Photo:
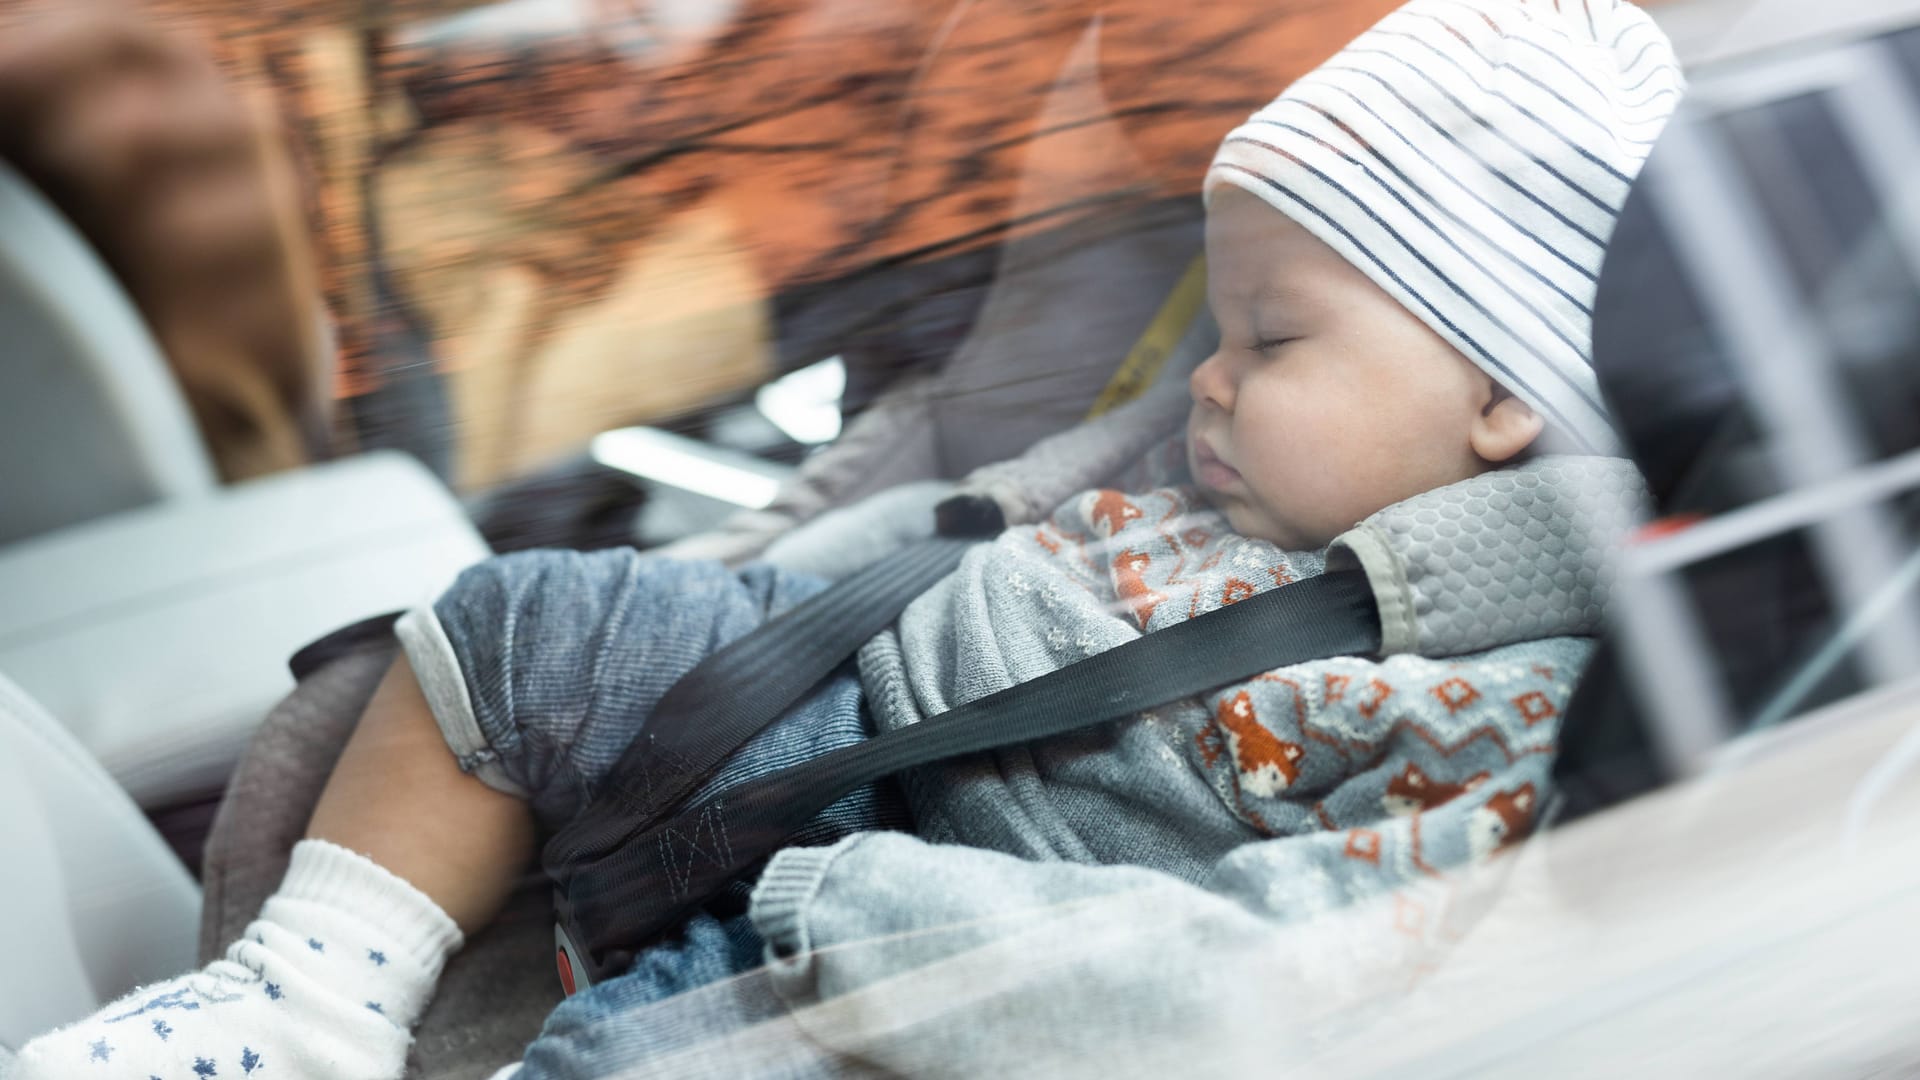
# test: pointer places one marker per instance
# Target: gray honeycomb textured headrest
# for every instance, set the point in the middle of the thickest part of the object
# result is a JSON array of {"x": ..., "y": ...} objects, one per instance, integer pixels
[{"x": 1508, "y": 556}]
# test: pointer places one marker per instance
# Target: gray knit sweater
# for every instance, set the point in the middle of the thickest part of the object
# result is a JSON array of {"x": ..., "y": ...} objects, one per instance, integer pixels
[{"x": 1121, "y": 895}]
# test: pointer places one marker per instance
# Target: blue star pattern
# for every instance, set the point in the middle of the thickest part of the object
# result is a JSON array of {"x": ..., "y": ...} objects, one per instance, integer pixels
[
  {"x": 217, "y": 1002},
  {"x": 173, "y": 999}
]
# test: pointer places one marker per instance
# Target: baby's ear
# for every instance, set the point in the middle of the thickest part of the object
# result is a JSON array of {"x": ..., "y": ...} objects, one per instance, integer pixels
[{"x": 1505, "y": 427}]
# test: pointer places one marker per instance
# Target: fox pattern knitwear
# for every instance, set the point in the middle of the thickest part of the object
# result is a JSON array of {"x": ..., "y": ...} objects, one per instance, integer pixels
[{"x": 1401, "y": 765}]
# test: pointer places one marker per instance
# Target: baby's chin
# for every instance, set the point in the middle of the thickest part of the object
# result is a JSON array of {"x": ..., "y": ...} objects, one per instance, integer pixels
[
  {"x": 1243, "y": 518},
  {"x": 1253, "y": 522},
  {"x": 1262, "y": 523}
]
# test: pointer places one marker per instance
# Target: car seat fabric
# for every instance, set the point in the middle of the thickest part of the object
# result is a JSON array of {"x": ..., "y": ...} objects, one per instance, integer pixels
[
  {"x": 847, "y": 538},
  {"x": 838, "y": 541},
  {"x": 1451, "y": 577},
  {"x": 1090, "y": 455}
]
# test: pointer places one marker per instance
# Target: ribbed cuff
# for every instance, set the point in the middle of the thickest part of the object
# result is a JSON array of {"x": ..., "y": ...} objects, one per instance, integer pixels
[
  {"x": 786, "y": 888},
  {"x": 436, "y": 667},
  {"x": 1387, "y": 574},
  {"x": 332, "y": 877}
]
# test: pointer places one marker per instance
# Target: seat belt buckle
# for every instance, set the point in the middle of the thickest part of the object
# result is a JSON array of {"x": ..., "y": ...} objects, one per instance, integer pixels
[{"x": 577, "y": 965}]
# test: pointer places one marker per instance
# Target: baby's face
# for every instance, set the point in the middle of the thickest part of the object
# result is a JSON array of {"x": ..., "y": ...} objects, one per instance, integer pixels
[{"x": 1326, "y": 400}]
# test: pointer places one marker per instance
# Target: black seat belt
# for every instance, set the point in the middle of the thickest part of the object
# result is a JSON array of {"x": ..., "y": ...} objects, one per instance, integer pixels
[
  {"x": 739, "y": 689},
  {"x": 613, "y": 897}
]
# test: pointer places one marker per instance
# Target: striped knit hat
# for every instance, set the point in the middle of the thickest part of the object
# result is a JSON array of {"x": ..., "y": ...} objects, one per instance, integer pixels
[{"x": 1470, "y": 156}]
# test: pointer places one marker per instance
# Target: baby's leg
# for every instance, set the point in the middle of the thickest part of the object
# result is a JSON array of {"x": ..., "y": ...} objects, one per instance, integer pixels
[
  {"x": 571, "y": 651},
  {"x": 542, "y": 667},
  {"x": 398, "y": 797}
]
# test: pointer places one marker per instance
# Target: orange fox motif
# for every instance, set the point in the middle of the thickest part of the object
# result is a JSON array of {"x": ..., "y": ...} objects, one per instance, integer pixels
[
  {"x": 1376, "y": 695},
  {"x": 1534, "y": 707},
  {"x": 1413, "y": 791},
  {"x": 1129, "y": 575},
  {"x": 1504, "y": 820},
  {"x": 1235, "y": 591},
  {"x": 1267, "y": 764},
  {"x": 1112, "y": 511}
]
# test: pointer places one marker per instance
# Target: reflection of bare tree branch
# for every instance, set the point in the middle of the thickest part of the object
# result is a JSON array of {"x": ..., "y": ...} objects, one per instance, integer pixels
[
  {"x": 706, "y": 139},
  {"x": 1134, "y": 112},
  {"x": 974, "y": 237},
  {"x": 854, "y": 138}
]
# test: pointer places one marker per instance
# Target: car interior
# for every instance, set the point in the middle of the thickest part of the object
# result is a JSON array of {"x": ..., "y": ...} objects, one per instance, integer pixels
[{"x": 1757, "y": 328}]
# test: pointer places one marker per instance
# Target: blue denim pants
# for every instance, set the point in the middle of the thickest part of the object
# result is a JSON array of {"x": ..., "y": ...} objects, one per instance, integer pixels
[{"x": 564, "y": 655}]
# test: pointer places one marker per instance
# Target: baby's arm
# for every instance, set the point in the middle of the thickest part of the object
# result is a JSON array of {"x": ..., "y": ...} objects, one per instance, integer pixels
[{"x": 342, "y": 960}]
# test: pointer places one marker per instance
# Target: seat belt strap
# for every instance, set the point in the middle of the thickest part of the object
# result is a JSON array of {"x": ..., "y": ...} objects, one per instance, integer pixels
[
  {"x": 615, "y": 902},
  {"x": 739, "y": 689}
]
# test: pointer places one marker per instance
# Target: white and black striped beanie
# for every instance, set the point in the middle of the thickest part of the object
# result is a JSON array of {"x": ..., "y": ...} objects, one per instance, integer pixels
[{"x": 1470, "y": 156}]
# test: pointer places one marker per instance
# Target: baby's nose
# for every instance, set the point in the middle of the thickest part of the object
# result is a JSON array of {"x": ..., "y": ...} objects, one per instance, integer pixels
[{"x": 1212, "y": 383}]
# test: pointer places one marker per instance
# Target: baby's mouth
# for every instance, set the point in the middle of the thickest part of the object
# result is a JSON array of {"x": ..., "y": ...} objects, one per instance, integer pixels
[{"x": 1209, "y": 470}]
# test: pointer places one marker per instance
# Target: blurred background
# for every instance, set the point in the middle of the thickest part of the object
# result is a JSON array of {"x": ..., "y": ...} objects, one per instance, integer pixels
[
  {"x": 540, "y": 219},
  {"x": 537, "y": 220}
]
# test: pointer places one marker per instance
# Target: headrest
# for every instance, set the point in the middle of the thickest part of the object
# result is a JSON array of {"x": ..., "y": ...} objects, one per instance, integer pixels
[{"x": 1507, "y": 556}]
